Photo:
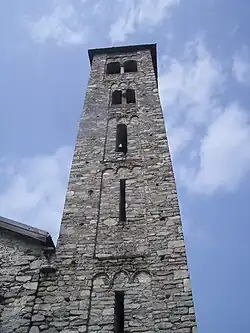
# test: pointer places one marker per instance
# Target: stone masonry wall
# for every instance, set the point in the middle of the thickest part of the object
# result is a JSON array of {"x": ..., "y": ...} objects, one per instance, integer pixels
[
  {"x": 114, "y": 238},
  {"x": 93, "y": 249},
  {"x": 20, "y": 264},
  {"x": 95, "y": 255}
]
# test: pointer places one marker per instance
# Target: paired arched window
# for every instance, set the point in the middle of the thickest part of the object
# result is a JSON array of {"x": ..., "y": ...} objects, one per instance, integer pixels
[
  {"x": 130, "y": 66},
  {"x": 130, "y": 96},
  {"x": 117, "y": 97},
  {"x": 113, "y": 68}
]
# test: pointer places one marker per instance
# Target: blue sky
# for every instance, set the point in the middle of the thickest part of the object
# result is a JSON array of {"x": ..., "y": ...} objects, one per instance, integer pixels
[{"x": 204, "y": 79}]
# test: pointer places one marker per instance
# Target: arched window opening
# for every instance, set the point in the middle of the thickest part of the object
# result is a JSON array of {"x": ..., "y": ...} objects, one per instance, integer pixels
[
  {"x": 119, "y": 312},
  {"x": 130, "y": 66},
  {"x": 121, "y": 138},
  {"x": 122, "y": 207},
  {"x": 130, "y": 96},
  {"x": 117, "y": 97},
  {"x": 113, "y": 68}
]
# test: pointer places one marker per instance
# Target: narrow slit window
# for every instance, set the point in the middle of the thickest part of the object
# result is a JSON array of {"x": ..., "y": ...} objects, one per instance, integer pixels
[
  {"x": 122, "y": 215},
  {"x": 113, "y": 68},
  {"x": 121, "y": 138},
  {"x": 117, "y": 97},
  {"x": 130, "y": 96},
  {"x": 119, "y": 312},
  {"x": 130, "y": 66}
]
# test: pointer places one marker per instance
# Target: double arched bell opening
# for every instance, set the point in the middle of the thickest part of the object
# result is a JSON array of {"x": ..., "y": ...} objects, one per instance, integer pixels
[
  {"x": 113, "y": 68},
  {"x": 129, "y": 66},
  {"x": 119, "y": 97}
]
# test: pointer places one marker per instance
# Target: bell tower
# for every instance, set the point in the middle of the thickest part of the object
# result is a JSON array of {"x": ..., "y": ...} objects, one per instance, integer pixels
[{"x": 120, "y": 254}]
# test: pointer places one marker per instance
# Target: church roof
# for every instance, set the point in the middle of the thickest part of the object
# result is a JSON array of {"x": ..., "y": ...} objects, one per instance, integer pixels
[
  {"x": 126, "y": 49},
  {"x": 23, "y": 230}
]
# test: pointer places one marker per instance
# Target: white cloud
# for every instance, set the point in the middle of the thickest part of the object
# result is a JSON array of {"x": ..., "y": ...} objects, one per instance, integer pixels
[
  {"x": 241, "y": 66},
  {"x": 210, "y": 141},
  {"x": 188, "y": 89},
  {"x": 125, "y": 24},
  {"x": 72, "y": 23},
  {"x": 179, "y": 138},
  {"x": 138, "y": 14},
  {"x": 34, "y": 189},
  {"x": 192, "y": 81},
  {"x": 64, "y": 26},
  {"x": 224, "y": 153},
  {"x": 152, "y": 13}
]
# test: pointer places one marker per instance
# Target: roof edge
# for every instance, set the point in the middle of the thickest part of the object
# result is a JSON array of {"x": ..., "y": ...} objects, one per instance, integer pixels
[
  {"x": 42, "y": 237},
  {"x": 127, "y": 49}
]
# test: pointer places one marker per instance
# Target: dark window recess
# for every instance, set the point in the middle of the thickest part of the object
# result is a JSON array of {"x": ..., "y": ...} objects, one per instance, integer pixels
[
  {"x": 113, "y": 68},
  {"x": 119, "y": 312},
  {"x": 122, "y": 213},
  {"x": 121, "y": 138},
  {"x": 130, "y": 66},
  {"x": 130, "y": 96},
  {"x": 117, "y": 97}
]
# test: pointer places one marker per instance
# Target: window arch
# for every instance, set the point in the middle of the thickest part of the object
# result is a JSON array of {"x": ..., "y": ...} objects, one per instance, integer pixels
[
  {"x": 113, "y": 68},
  {"x": 117, "y": 97},
  {"x": 130, "y": 66},
  {"x": 121, "y": 138},
  {"x": 130, "y": 96}
]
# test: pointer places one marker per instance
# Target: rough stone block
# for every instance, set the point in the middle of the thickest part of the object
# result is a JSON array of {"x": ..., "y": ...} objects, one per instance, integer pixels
[
  {"x": 22, "y": 278},
  {"x": 31, "y": 285},
  {"x": 38, "y": 317},
  {"x": 181, "y": 274}
]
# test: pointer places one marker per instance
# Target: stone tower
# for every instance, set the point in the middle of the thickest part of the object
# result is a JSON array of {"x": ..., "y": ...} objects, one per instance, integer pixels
[
  {"x": 120, "y": 262},
  {"x": 120, "y": 254}
]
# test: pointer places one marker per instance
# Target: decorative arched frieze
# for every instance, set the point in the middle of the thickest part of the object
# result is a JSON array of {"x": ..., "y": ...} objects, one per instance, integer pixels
[
  {"x": 108, "y": 172},
  {"x": 133, "y": 119},
  {"x": 120, "y": 280},
  {"x": 122, "y": 120},
  {"x": 142, "y": 276},
  {"x": 114, "y": 86},
  {"x": 101, "y": 279}
]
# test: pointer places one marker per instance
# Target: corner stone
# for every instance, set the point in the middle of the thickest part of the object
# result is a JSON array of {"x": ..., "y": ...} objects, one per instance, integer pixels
[
  {"x": 176, "y": 243},
  {"x": 182, "y": 274},
  {"x": 187, "y": 285}
]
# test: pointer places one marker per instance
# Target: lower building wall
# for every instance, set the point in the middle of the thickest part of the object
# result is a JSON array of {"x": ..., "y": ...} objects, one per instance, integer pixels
[
  {"x": 19, "y": 277},
  {"x": 79, "y": 296}
]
